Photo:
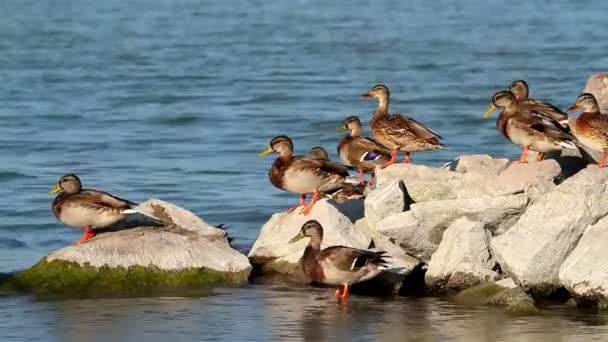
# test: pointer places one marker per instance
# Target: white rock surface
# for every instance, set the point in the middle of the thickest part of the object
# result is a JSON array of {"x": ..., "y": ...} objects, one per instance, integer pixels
[
  {"x": 533, "y": 250},
  {"x": 463, "y": 258},
  {"x": 479, "y": 164},
  {"x": 508, "y": 283},
  {"x": 194, "y": 244},
  {"x": 419, "y": 230},
  {"x": 383, "y": 202},
  {"x": 423, "y": 183},
  {"x": 585, "y": 271}
]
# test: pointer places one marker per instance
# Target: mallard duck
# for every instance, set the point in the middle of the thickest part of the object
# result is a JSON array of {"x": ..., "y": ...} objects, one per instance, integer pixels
[
  {"x": 397, "y": 131},
  {"x": 302, "y": 174},
  {"x": 591, "y": 127},
  {"x": 520, "y": 89},
  {"x": 360, "y": 152},
  {"x": 336, "y": 265},
  {"x": 528, "y": 128},
  {"x": 86, "y": 208},
  {"x": 318, "y": 152}
]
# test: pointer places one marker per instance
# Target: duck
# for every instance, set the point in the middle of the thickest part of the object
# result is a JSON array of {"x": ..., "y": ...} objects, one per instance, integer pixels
[
  {"x": 520, "y": 89},
  {"x": 87, "y": 209},
  {"x": 360, "y": 152},
  {"x": 528, "y": 128},
  {"x": 591, "y": 127},
  {"x": 318, "y": 152},
  {"x": 302, "y": 174},
  {"x": 399, "y": 132},
  {"x": 336, "y": 265}
]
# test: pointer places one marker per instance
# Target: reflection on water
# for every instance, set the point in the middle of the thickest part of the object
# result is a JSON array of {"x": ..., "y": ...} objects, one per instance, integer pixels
[{"x": 277, "y": 313}]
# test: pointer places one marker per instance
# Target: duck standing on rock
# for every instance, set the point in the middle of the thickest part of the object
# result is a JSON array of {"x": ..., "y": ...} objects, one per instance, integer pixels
[
  {"x": 397, "y": 131},
  {"x": 591, "y": 127},
  {"x": 520, "y": 89},
  {"x": 303, "y": 174},
  {"x": 86, "y": 208},
  {"x": 360, "y": 152},
  {"x": 336, "y": 265},
  {"x": 528, "y": 128}
]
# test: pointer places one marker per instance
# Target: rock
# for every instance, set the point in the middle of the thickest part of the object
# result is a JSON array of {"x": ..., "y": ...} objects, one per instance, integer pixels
[
  {"x": 479, "y": 164},
  {"x": 422, "y": 183},
  {"x": 597, "y": 85},
  {"x": 515, "y": 300},
  {"x": 533, "y": 250},
  {"x": 419, "y": 230},
  {"x": 138, "y": 259},
  {"x": 463, "y": 258},
  {"x": 507, "y": 283},
  {"x": 585, "y": 272},
  {"x": 385, "y": 201}
]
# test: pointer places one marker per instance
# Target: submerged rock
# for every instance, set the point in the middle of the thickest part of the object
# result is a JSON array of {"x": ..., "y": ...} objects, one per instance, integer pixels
[
  {"x": 463, "y": 258},
  {"x": 585, "y": 272},
  {"x": 167, "y": 254},
  {"x": 533, "y": 250},
  {"x": 515, "y": 300}
]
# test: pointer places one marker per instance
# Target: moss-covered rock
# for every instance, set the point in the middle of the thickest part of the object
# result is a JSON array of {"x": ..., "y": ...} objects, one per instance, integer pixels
[
  {"x": 515, "y": 300},
  {"x": 63, "y": 278}
]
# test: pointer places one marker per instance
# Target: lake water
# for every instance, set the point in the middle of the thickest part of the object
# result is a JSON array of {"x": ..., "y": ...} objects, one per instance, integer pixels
[{"x": 172, "y": 99}]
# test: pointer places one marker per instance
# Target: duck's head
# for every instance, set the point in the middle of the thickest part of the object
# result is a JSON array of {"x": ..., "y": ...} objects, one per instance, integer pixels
[
  {"x": 586, "y": 102},
  {"x": 520, "y": 89},
  {"x": 351, "y": 123},
  {"x": 318, "y": 152},
  {"x": 379, "y": 91},
  {"x": 503, "y": 99},
  {"x": 280, "y": 144},
  {"x": 69, "y": 183},
  {"x": 311, "y": 229}
]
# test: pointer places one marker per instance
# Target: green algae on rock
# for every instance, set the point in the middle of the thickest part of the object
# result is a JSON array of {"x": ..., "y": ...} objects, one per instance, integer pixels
[{"x": 515, "y": 300}]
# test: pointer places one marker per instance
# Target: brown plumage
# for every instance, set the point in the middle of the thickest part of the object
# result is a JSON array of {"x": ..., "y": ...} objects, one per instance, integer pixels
[
  {"x": 318, "y": 152},
  {"x": 362, "y": 153},
  {"x": 528, "y": 128},
  {"x": 520, "y": 89},
  {"x": 399, "y": 132},
  {"x": 86, "y": 208},
  {"x": 336, "y": 265},
  {"x": 302, "y": 174},
  {"x": 591, "y": 127}
]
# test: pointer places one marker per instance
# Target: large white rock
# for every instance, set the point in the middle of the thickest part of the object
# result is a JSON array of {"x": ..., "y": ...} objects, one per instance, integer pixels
[
  {"x": 422, "y": 183},
  {"x": 585, "y": 271},
  {"x": 419, "y": 230},
  {"x": 191, "y": 244},
  {"x": 533, "y": 250},
  {"x": 385, "y": 201},
  {"x": 463, "y": 258},
  {"x": 479, "y": 164}
]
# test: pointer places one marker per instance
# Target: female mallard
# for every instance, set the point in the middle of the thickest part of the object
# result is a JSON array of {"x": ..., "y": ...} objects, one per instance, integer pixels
[
  {"x": 397, "y": 131},
  {"x": 303, "y": 174},
  {"x": 336, "y": 265},
  {"x": 85, "y": 208},
  {"x": 528, "y": 128},
  {"x": 591, "y": 127},
  {"x": 318, "y": 152},
  {"x": 360, "y": 152},
  {"x": 520, "y": 89}
]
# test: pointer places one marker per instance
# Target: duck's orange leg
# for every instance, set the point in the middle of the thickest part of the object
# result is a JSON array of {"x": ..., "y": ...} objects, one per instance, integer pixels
[
  {"x": 306, "y": 209},
  {"x": 338, "y": 293},
  {"x": 524, "y": 155},
  {"x": 302, "y": 200},
  {"x": 88, "y": 233},
  {"x": 407, "y": 158},
  {"x": 539, "y": 156},
  {"x": 372, "y": 179},
  {"x": 393, "y": 159},
  {"x": 602, "y": 160},
  {"x": 345, "y": 292},
  {"x": 361, "y": 177}
]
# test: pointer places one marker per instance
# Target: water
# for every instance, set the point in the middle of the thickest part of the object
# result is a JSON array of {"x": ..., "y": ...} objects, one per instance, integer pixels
[{"x": 172, "y": 99}]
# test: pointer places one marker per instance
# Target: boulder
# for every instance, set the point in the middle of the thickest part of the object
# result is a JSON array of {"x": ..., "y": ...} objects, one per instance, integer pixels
[
  {"x": 479, "y": 164},
  {"x": 463, "y": 258},
  {"x": 597, "y": 85},
  {"x": 585, "y": 272},
  {"x": 535, "y": 247},
  {"x": 513, "y": 298},
  {"x": 385, "y": 201},
  {"x": 138, "y": 259},
  {"x": 419, "y": 230},
  {"x": 422, "y": 183}
]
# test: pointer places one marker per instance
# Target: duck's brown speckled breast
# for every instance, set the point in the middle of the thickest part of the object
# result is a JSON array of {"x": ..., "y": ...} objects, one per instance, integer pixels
[
  {"x": 310, "y": 264},
  {"x": 276, "y": 173},
  {"x": 57, "y": 204}
]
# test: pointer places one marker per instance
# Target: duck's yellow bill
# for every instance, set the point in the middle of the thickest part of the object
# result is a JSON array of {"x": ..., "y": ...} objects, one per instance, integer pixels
[
  {"x": 266, "y": 152},
  {"x": 57, "y": 188},
  {"x": 298, "y": 237},
  {"x": 342, "y": 128},
  {"x": 491, "y": 109}
]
